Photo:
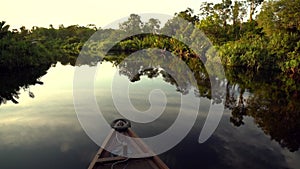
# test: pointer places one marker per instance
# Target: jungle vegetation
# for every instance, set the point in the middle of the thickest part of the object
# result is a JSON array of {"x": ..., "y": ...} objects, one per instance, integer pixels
[{"x": 252, "y": 34}]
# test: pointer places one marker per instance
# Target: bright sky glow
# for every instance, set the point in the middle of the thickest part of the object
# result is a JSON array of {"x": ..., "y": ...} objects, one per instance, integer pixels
[{"x": 42, "y": 13}]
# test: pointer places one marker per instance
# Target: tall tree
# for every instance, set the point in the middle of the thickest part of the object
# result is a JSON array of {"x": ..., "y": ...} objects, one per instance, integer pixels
[
  {"x": 206, "y": 9},
  {"x": 253, "y": 4},
  {"x": 280, "y": 20},
  {"x": 132, "y": 25},
  {"x": 152, "y": 26},
  {"x": 280, "y": 16},
  {"x": 223, "y": 10},
  {"x": 3, "y": 29},
  {"x": 238, "y": 12},
  {"x": 188, "y": 15}
]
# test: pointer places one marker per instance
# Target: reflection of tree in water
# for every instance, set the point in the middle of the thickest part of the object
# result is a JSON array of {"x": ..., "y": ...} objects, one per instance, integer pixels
[
  {"x": 149, "y": 72},
  {"x": 278, "y": 115},
  {"x": 12, "y": 81},
  {"x": 161, "y": 63},
  {"x": 273, "y": 102},
  {"x": 236, "y": 104}
]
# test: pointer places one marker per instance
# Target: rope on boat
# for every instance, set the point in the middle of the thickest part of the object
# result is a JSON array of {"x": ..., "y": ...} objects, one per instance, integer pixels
[
  {"x": 121, "y": 125},
  {"x": 119, "y": 162},
  {"x": 117, "y": 138}
]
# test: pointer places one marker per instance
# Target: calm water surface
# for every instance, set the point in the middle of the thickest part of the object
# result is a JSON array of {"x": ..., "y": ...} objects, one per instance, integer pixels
[{"x": 259, "y": 128}]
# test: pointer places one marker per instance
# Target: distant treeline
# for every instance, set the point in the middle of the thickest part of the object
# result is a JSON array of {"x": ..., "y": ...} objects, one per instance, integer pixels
[
  {"x": 244, "y": 37},
  {"x": 40, "y": 46}
]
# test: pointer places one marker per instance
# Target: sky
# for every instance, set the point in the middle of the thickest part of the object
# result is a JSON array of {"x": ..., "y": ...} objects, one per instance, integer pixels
[{"x": 42, "y": 13}]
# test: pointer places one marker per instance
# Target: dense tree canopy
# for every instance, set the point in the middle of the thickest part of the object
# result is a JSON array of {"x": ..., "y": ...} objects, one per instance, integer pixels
[{"x": 250, "y": 34}]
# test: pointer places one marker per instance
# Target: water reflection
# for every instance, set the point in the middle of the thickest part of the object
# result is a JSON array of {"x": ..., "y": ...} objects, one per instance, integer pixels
[
  {"x": 12, "y": 81},
  {"x": 230, "y": 147},
  {"x": 273, "y": 101},
  {"x": 42, "y": 132},
  {"x": 262, "y": 107},
  {"x": 39, "y": 140},
  {"x": 152, "y": 63}
]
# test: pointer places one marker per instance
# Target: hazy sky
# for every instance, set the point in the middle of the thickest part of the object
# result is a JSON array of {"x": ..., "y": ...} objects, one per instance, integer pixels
[{"x": 69, "y": 12}]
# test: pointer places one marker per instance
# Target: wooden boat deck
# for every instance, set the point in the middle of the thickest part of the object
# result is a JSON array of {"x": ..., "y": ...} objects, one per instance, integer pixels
[{"x": 141, "y": 156}]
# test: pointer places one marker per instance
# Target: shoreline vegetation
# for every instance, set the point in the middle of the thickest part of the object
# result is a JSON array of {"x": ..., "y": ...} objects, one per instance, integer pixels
[{"x": 270, "y": 41}]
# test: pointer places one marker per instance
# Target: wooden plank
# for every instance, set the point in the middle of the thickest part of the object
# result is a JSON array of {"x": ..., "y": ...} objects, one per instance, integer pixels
[
  {"x": 119, "y": 158},
  {"x": 135, "y": 145},
  {"x": 152, "y": 164},
  {"x": 110, "y": 159},
  {"x": 145, "y": 148},
  {"x": 160, "y": 163},
  {"x": 138, "y": 141},
  {"x": 107, "y": 139},
  {"x": 143, "y": 155}
]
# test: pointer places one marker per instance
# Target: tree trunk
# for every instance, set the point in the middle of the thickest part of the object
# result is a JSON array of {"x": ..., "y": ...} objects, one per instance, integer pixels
[{"x": 252, "y": 9}]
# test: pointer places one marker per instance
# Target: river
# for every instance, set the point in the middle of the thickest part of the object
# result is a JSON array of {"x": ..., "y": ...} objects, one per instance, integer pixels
[{"x": 260, "y": 126}]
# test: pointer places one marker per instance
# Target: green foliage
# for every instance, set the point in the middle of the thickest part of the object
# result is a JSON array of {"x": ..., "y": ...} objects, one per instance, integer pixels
[
  {"x": 280, "y": 16},
  {"x": 188, "y": 15},
  {"x": 3, "y": 29},
  {"x": 253, "y": 4},
  {"x": 269, "y": 42},
  {"x": 248, "y": 52},
  {"x": 132, "y": 25},
  {"x": 280, "y": 21},
  {"x": 40, "y": 46},
  {"x": 152, "y": 26}
]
